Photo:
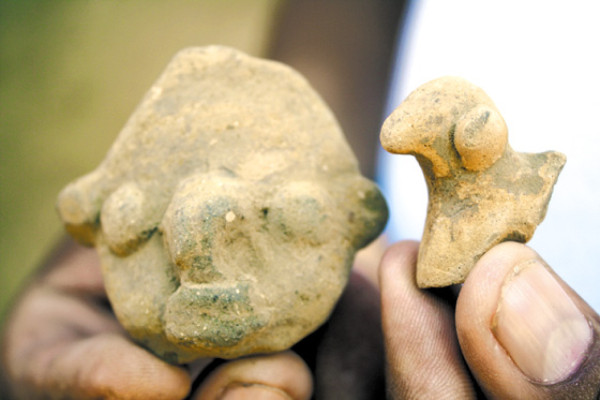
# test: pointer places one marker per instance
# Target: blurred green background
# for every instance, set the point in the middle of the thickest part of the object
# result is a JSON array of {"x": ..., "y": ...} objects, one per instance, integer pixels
[{"x": 71, "y": 72}]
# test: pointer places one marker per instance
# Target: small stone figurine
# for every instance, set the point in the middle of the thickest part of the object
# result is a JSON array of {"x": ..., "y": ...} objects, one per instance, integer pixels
[
  {"x": 228, "y": 211},
  {"x": 481, "y": 192}
]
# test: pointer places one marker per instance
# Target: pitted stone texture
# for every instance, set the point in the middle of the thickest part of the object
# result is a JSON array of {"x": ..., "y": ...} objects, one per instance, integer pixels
[
  {"x": 481, "y": 192},
  {"x": 228, "y": 211}
]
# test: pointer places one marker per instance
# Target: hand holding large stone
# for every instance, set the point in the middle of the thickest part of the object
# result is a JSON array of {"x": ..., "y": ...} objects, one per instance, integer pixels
[{"x": 228, "y": 211}]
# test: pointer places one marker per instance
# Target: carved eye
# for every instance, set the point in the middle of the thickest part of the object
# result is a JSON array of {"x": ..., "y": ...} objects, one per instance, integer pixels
[
  {"x": 124, "y": 219},
  {"x": 480, "y": 137},
  {"x": 301, "y": 211}
]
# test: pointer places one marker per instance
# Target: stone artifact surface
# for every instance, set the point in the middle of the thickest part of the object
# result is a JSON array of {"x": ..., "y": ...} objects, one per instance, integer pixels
[
  {"x": 228, "y": 211},
  {"x": 481, "y": 192}
]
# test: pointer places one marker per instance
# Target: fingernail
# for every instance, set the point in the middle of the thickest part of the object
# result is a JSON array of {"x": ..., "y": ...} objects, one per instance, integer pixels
[
  {"x": 252, "y": 392},
  {"x": 539, "y": 326}
]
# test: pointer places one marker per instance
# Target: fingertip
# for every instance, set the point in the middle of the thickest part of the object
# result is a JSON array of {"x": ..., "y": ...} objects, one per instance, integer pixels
[
  {"x": 148, "y": 376},
  {"x": 109, "y": 366},
  {"x": 398, "y": 262},
  {"x": 494, "y": 264},
  {"x": 281, "y": 375}
]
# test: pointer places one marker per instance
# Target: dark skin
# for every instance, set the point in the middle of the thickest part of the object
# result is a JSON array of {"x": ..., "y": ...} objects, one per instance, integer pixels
[{"x": 62, "y": 341}]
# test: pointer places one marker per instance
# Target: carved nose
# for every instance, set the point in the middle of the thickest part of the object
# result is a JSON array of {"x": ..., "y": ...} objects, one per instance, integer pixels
[
  {"x": 204, "y": 212},
  {"x": 192, "y": 232}
]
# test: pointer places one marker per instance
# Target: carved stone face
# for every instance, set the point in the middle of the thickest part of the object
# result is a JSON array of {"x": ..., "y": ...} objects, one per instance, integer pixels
[{"x": 228, "y": 211}]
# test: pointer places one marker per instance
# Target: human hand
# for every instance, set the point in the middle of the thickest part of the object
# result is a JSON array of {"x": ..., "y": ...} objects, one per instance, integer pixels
[
  {"x": 515, "y": 331},
  {"x": 63, "y": 341}
]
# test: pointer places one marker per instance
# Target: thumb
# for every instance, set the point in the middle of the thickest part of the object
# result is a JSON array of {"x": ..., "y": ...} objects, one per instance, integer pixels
[{"x": 524, "y": 332}]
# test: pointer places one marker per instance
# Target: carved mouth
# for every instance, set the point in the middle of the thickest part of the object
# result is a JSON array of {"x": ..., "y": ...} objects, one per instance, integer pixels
[{"x": 207, "y": 316}]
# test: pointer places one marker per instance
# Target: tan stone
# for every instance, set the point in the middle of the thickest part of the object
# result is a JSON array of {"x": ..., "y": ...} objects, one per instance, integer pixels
[
  {"x": 228, "y": 211},
  {"x": 481, "y": 192}
]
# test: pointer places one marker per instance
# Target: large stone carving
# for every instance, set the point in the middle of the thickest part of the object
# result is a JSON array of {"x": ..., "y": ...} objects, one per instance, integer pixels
[
  {"x": 481, "y": 192},
  {"x": 228, "y": 211}
]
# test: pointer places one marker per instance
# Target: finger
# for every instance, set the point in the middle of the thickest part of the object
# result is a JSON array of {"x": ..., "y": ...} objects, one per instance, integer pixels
[
  {"x": 109, "y": 366},
  {"x": 58, "y": 345},
  {"x": 524, "y": 332},
  {"x": 367, "y": 259},
  {"x": 279, "y": 376},
  {"x": 350, "y": 357},
  {"x": 74, "y": 269},
  {"x": 422, "y": 352}
]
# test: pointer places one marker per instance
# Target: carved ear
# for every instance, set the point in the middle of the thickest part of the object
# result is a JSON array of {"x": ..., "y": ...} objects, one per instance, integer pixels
[
  {"x": 302, "y": 209},
  {"x": 365, "y": 210},
  {"x": 79, "y": 206},
  {"x": 480, "y": 137}
]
